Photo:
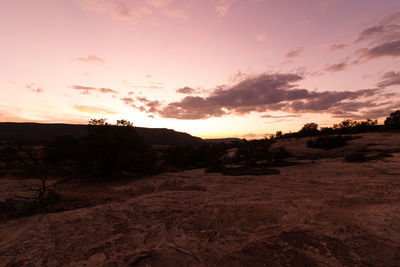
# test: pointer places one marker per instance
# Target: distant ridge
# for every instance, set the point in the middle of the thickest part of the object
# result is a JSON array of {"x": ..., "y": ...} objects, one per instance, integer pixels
[
  {"x": 222, "y": 140},
  {"x": 42, "y": 132}
]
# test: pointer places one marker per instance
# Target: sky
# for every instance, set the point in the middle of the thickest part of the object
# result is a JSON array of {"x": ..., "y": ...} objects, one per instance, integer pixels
[{"x": 211, "y": 68}]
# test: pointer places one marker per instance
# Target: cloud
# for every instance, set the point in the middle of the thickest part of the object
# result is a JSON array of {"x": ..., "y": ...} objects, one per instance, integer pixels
[
  {"x": 186, "y": 90},
  {"x": 378, "y": 111},
  {"x": 118, "y": 9},
  {"x": 265, "y": 92},
  {"x": 389, "y": 78},
  {"x": 127, "y": 100},
  {"x": 389, "y": 49},
  {"x": 386, "y": 30},
  {"x": 370, "y": 33},
  {"x": 337, "y": 67},
  {"x": 280, "y": 116},
  {"x": 94, "y": 110},
  {"x": 90, "y": 59},
  {"x": 133, "y": 11},
  {"x": 176, "y": 13},
  {"x": 159, "y": 3},
  {"x": 152, "y": 85},
  {"x": 222, "y": 7},
  {"x": 335, "y": 46},
  {"x": 295, "y": 52},
  {"x": 383, "y": 38},
  {"x": 34, "y": 88},
  {"x": 261, "y": 37},
  {"x": 86, "y": 90},
  {"x": 148, "y": 106}
]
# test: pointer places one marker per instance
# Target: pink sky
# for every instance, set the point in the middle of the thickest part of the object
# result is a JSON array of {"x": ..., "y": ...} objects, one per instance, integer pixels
[{"x": 212, "y": 68}]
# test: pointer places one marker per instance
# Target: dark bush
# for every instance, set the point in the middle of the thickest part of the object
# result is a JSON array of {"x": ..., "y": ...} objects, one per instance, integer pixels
[
  {"x": 329, "y": 142},
  {"x": 194, "y": 156},
  {"x": 255, "y": 150}
]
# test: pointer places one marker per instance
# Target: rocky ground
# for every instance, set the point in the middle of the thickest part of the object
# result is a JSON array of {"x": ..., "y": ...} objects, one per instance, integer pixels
[{"x": 321, "y": 212}]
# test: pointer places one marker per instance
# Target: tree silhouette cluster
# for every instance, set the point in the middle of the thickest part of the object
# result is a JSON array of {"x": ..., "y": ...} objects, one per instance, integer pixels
[{"x": 105, "y": 150}]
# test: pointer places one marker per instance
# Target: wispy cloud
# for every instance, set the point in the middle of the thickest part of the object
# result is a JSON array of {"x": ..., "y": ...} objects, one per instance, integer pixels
[
  {"x": 186, "y": 90},
  {"x": 151, "y": 85},
  {"x": 337, "y": 67},
  {"x": 94, "y": 110},
  {"x": 90, "y": 59},
  {"x": 295, "y": 52},
  {"x": 34, "y": 88},
  {"x": 280, "y": 116},
  {"x": 389, "y": 78},
  {"x": 335, "y": 46},
  {"x": 175, "y": 13},
  {"x": 222, "y": 7},
  {"x": 261, "y": 37},
  {"x": 159, "y": 3},
  {"x": 134, "y": 10},
  {"x": 86, "y": 89}
]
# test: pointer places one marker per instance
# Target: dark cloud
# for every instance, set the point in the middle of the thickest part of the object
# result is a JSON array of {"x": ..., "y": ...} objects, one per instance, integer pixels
[
  {"x": 389, "y": 78},
  {"x": 337, "y": 67},
  {"x": 127, "y": 100},
  {"x": 331, "y": 100},
  {"x": 149, "y": 106},
  {"x": 384, "y": 38},
  {"x": 391, "y": 49},
  {"x": 370, "y": 33},
  {"x": 266, "y": 92},
  {"x": 86, "y": 90},
  {"x": 186, "y": 90},
  {"x": 90, "y": 59},
  {"x": 375, "y": 112},
  {"x": 295, "y": 52},
  {"x": 386, "y": 30},
  {"x": 335, "y": 46}
]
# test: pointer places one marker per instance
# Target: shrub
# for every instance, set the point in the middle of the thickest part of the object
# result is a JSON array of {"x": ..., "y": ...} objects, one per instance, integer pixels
[
  {"x": 194, "y": 156},
  {"x": 328, "y": 142},
  {"x": 255, "y": 150}
]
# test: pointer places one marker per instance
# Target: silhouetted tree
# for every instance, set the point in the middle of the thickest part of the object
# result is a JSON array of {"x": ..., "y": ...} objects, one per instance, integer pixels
[
  {"x": 278, "y": 134},
  {"x": 106, "y": 149},
  {"x": 393, "y": 121},
  {"x": 309, "y": 129}
]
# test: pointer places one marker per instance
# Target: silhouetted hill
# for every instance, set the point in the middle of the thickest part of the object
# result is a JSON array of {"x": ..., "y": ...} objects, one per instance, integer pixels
[
  {"x": 222, "y": 140},
  {"x": 40, "y": 132}
]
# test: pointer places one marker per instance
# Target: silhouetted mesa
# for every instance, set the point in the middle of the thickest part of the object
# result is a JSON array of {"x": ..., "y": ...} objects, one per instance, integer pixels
[{"x": 43, "y": 132}]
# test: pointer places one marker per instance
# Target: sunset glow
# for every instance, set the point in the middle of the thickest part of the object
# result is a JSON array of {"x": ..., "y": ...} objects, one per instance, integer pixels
[{"x": 211, "y": 68}]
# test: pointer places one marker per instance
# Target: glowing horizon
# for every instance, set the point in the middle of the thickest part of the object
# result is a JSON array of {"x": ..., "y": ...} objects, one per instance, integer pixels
[{"x": 213, "y": 68}]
